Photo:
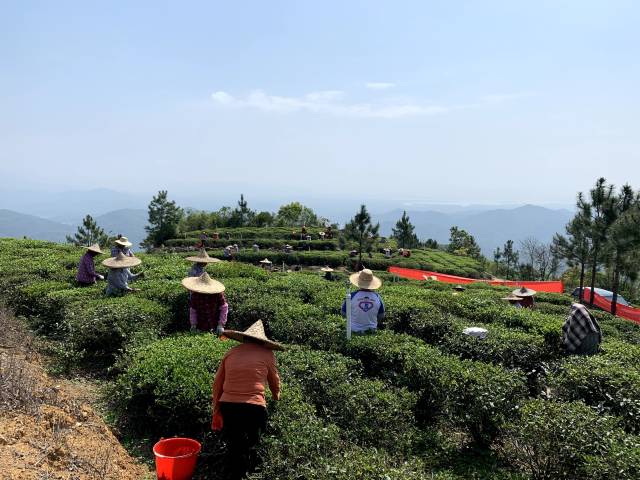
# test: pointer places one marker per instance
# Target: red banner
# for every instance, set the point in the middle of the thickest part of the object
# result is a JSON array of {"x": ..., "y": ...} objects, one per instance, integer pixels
[
  {"x": 550, "y": 287},
  {"x": 623, "y": 311}
]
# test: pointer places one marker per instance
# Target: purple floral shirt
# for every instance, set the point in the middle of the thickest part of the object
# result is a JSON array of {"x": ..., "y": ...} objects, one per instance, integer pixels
[{"x": 86, "y": 270}]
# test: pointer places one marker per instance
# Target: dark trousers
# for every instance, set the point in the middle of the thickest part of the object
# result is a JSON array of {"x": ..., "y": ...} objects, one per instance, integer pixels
[{"x": 242, "y": 425}]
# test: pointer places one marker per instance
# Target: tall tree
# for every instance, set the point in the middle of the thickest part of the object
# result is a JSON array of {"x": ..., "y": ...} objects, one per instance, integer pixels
[
  {"x": 361, "y": 230},
  {"x": 530, "y": 247},
  {"x": 576, "y": 246},
  {"x": 242, "y": 214},
  {"x": 431, "y": 243},
  {"x": 622, "y": 239},
  {"x": 462, "y": 243},
  {"x": 164, "y": 217},
  {"x": 602, "y": 200},
  {"x": 404, "y": 232},
  {"x": 510, "y": 256},
  {"x": 89, "y": 233},
  {"x": 295, "y": 214}
]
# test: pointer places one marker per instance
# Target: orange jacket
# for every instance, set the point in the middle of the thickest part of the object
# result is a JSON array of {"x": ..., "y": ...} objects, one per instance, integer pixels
[{"x": 242, "y": 376}]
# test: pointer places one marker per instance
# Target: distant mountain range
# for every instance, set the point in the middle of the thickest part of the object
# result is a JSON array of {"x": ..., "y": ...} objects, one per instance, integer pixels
[
  {"x": 129, "y": 222},
  {"x": 490, "y": 227}
]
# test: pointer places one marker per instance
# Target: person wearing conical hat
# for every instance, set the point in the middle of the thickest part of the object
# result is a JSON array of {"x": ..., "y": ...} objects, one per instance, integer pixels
[
  {"x": 200, "y": 262},
  {"x": 208, "y": 309},
  {"x": 121, "y": 244},
  {"x": 328, "y": 272},
  {"x": 87, "y": 275},
  {"x": 120, "y": 275},
  {"x": 526, "y": 296},
  {"x": 513, "y": 300},
  {"x": 367, "y": 307},
  {"x": 239, "y": 405},
  {"x": 458, "y": 289}
]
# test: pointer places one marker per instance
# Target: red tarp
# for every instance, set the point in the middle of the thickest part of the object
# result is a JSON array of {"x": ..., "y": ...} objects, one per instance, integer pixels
[
  {"x": 551, "y": 287},
  {"x": 623, "y": 311}
]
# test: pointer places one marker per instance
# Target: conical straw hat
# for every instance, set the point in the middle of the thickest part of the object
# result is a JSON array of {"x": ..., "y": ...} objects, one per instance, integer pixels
[
  {"x": 121, "y": 261},
  {"x": 266, "y": 260},
  {"x": 460, "y": 288},
  {"x": 255, "y": 331},
  {"x": 95, "y": 248},
  {"x": 365, "y": 279},
  {"x": 512, "y": 298},
  {"x": 203, "y": 257},
  {"x": 524, "y": 292},
  {"x": 326, "y": 269},
  {"x": 203, "y": 284},
  {"x": 123, "y": 242}
]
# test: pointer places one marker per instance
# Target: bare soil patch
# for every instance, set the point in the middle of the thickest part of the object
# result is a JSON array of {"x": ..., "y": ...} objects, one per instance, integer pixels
[{"x": 48, "y": 429}]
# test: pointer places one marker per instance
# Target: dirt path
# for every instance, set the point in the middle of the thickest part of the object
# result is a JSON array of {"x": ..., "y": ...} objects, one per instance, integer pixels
[{"x": 48, "y": 429}]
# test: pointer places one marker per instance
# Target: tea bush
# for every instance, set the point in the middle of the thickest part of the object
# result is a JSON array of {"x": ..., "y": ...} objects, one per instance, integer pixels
[{"x": 553, "y": 440}]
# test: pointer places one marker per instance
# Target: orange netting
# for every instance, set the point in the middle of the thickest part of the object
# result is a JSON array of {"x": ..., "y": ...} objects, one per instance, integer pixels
[
  {"x": 623, "y": 311},
  {"x": 551, "y": 287}
]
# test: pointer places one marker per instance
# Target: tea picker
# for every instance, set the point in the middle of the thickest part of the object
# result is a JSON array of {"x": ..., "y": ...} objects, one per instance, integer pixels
[{"x": 364, "y": 308}]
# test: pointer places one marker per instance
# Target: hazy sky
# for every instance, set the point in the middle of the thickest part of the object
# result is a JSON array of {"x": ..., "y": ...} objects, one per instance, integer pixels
[{"x": 448, "y": 101}]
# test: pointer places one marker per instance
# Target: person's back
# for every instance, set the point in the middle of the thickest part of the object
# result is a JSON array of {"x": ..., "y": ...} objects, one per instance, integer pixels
[
  {"x": 367, "y": 308},
  {"x": 247, "y": 368}
]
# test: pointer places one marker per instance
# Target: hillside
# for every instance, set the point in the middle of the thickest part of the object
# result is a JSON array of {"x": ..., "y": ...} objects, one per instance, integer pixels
[
  {"x": 418, "y": 399},
  {"x": 18, "y": 225},
  {"x": 491, "y": 228}
]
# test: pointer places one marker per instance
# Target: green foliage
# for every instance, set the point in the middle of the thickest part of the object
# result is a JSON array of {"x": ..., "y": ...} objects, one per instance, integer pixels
[
  {"x": 295, "y": 214},
  {"x": 363, "y": 232},
  {"x": 89, "y": 233},
  {"x": 404, "y": 232},
  {"x": 554, "y": 440},
  {"x": 164, "y": 217},
  {"x": 463, "y": 243}
]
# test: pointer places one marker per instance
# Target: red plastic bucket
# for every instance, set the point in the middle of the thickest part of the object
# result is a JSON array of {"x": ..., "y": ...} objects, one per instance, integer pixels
[{"x": 176, "y": 458}]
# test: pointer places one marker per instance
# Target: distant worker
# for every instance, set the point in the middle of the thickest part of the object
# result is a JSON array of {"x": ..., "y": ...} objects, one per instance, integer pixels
[
  {"x": 208, "y": 308},
  {"x": 121, "y": 244},
  {"x": 239, "y": 405},
  {"x": 256, "y": 247},
  {"x": 265, "y": 263},
  {"x": 87, "y": 269},
  {"x": 227, "y": 252},
  {"x": 514, "y": 300},
  {"x": 328, "y": 272},
  {"x": 200, "y": 262},
  {"x": 328, "y": 232},
  {"x": 367, "y": 307},
  {"x": 119, "y": 274},
  {"x": 458, "y": 289},
  {"x": 581, "y": 334},
  {"x": 526, "y": 296}
]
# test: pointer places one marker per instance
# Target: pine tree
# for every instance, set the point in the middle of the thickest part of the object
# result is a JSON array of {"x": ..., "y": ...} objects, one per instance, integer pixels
[
  {"x": 404, "y": 232},
  {"x": 576, "y": 246},
  {"x": 621, "y": 240},
  {"x": 602, "y": 209},
  {"x": 164, "y": 217},
  {"x": 463, "y": 243},
  {"x": 361, "y": 230},
  {"x": 89, "y": 233},
  {"x": 510, "y": 257}
]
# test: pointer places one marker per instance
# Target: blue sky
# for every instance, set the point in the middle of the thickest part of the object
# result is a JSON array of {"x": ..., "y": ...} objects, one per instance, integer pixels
[{"x": 456, "y": 101}]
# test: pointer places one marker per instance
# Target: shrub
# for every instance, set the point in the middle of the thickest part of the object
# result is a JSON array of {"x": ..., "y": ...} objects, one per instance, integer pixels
[
  {"x": 166, "y": 386},
  {"x": 99, "y": 330},
  {"x": 553, "y": 440},
  {"x": 608, "y": 386}
]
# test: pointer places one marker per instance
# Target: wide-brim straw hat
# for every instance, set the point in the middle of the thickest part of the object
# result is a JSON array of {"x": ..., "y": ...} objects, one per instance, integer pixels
[
  {"x": 95, "y": 248},
  {"x": 460, "y": 288},
  {"x": 512, "y": 298},
  {"x": 203, "y": 284},
  {"x": 265, "y": 261},
  {"x": 255, "y": 332},
  {"x": 121, "y": 261},
  {"x": 365, "y": 279},
  {"x": 203, "y": 257},
  {"x": 326, "y": 269},
  {"x": 524, "y": 292},
  {"x": 123, "y": 242}
]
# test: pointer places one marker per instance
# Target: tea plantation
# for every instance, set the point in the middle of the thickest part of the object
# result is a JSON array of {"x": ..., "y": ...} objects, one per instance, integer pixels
[{"x": 416, "y": 400}]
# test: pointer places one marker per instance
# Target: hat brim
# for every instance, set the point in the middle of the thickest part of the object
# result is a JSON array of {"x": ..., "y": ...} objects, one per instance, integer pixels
[
  {"x": 512, "y": 298},
  {"x": 123, "y": 244},
  {"x": 240, "y": 336},
  {"x": 95, "y": 250},
  {"x": 193, "y": 284},
  {"x": 325, "y": 269},
  {"x": 203, "y": 260},
  {"x": 528, "y": 293},
  {"x": 373, "y": 284},
  {"x": 128, "y": 262}
]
